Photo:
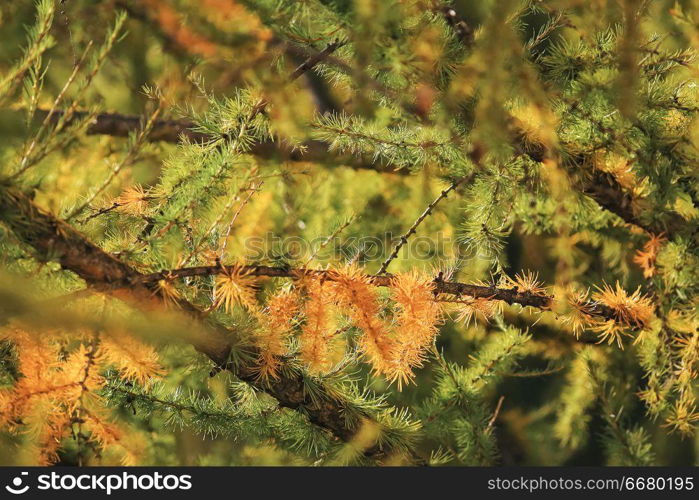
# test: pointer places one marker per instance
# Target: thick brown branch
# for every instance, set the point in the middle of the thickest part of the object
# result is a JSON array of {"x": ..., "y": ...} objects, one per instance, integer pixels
[
  {"x": 511, "y": 296},
  {"x": 601, "y": 187},
  {"x": 119, "y": 125},
  {"x": 52, "y": 238},
  {"x": 508, "y": 295},
  {"x": 607, "y": 192}
]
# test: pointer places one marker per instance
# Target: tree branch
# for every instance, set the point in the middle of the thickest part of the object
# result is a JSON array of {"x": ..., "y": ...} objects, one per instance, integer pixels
[
  {"x": 601, "y": 187},
  {"x": 404, "y": 239},
  {"x": 607, "y": 192},
  {"x": 120, "y": 125},
  {"x": 508, "y": 295},
  {"x": 462, "y": 30},
  {"x": 53, "y": 239}
]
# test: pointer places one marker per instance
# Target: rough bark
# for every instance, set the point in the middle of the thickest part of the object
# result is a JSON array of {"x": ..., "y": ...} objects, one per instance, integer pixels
[{"x": 53, "y": 239}]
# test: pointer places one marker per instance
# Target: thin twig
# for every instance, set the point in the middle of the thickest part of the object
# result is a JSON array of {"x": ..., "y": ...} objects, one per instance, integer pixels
[
  {"x": 303, "y": 68},
  {"x": 492, "y": 420},
  {"x": 26, "y": 162},
  {"x": 327, "y": 240},
  {"x": 226, "y": 208},
  {"x": 404, "y": 239},
  {"x": 314, "y": 59},
  {"x": 101, "y": 211},
  {"x": 129, "y": 158},
  {"x": 253, "y": 190}
]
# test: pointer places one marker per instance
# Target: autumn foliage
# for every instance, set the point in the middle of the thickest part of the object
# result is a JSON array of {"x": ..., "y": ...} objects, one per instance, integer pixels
[{"x": 348, "y": 233}]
